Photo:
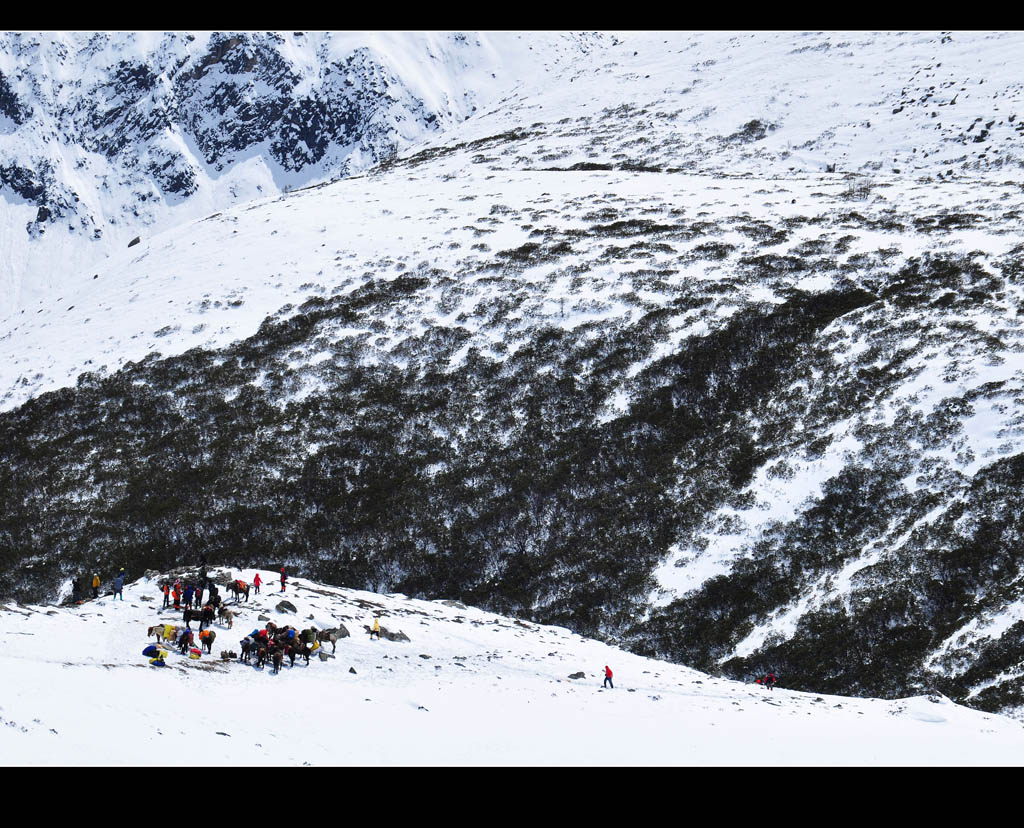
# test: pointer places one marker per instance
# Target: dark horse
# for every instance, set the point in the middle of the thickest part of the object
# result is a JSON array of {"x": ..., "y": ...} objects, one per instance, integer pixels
[
  {"x": 301, "y": 649},
  {"x": 239, "y": 588}
]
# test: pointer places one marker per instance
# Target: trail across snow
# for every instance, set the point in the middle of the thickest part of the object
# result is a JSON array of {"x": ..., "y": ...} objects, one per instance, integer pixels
[{"x": 469, "y": 688}]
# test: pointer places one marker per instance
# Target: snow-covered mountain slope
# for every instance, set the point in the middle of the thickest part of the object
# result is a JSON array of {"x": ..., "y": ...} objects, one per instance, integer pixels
[
  {"x": 774, "y": 103},
  {"x": 467, "y": 688},
  {"x": 106, "y": 136},
  {"x": 618, "y": 352},
  {"x": 650, "y": 102}
]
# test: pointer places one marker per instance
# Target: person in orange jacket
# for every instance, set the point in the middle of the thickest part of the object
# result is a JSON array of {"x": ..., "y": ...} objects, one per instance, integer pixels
[
  {"x": 95, "y": 585},
  {"x": 256, "y": 581},
  {"x": 167, "y": 596},
  {"x": 608, "y": 677}
]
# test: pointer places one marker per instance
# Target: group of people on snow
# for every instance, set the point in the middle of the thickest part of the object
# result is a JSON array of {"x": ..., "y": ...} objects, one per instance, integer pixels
[
  {"x": 190, "y": 595},
  {"x": 268, "y": 640},
  {"x": 94, "y": 583}
]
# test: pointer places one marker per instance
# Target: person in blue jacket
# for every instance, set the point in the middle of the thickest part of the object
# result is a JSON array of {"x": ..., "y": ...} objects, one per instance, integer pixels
[{"x": 119, "y": 584}]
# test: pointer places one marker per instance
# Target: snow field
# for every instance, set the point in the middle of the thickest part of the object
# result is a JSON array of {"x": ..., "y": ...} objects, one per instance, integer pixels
[{"x": 77, "y": 691}]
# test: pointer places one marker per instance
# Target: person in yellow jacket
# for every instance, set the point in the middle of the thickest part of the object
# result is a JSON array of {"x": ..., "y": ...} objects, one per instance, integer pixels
[
  {"x": 376, "y": 629},
  {"x": 95, "y": 585}
]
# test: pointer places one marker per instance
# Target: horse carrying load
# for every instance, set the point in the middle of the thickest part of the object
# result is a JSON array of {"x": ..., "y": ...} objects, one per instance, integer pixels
[{"x": 237, "y": 588}]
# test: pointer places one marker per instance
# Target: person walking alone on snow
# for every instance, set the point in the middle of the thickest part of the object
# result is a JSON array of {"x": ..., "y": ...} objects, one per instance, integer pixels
[
  {"x": 256, "y": 582},
  {"x": 283, "y": 579},
  {"x": 608, "y": 677}
]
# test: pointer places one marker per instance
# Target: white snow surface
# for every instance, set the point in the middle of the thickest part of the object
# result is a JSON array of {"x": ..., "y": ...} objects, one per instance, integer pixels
[{"x": 470, "y": 688}]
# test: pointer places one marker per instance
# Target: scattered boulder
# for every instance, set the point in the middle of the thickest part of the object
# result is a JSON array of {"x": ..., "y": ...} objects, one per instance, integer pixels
[
  {"x": 134, "y": 241},
  {"x": 285, "y": 606},
  {"x": 338, "y": 632},
  {"x": 262, "y": 617},
  {"x": 388, "y": 634},
  {"x": 394, "y": 636},
  {"x": 352, "y": 670},
  {"x": 578, "y": 675}
]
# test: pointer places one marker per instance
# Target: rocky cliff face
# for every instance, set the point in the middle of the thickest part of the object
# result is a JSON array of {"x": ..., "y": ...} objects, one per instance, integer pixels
[{"x": 104, "y": 135}]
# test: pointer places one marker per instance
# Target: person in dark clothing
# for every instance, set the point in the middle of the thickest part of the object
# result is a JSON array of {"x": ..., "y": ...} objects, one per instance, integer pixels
[
  {"x": 283, "y": 579},
  {"x": 189, "y": 592},
  {"x": 769, "y": 681},
  {"x": 608, "y": 677},
  {"x": 119, "y": 584}
]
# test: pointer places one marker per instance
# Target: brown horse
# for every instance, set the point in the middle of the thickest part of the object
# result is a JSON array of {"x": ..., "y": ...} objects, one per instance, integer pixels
[{"x": 301, "y": 649}]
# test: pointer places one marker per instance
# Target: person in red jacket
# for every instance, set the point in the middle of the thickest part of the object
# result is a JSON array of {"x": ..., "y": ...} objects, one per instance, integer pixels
[
  {"x": 283, "y": 579},
  {"x": 608, "y": 677},
  {"x": 256, "y": 582}
]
